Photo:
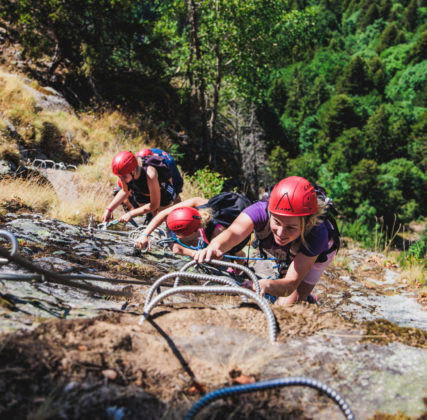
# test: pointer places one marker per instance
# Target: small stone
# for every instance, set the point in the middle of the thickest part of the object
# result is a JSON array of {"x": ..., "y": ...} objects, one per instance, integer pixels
[{"x": 110, "y": 374}]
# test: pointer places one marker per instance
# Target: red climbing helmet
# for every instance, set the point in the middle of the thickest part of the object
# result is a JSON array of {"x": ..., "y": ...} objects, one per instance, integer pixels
[
  {"x": 124, "y": 163},
  {"x": 184, "y": 220},
  {"x": 293, "y": 196},
  {"x": 143, "y": 152}
]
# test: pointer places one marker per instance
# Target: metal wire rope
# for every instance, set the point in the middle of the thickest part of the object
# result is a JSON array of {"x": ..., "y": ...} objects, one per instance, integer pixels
[
  {"x": 193, "y": 276},
  {"x": 51, "y": 276},
  {"x": 262, "y": 303},
  {"x": 274, "y": 383},
  {"x": 14, "y": 243},
  {"x": 220, "y": 263}
]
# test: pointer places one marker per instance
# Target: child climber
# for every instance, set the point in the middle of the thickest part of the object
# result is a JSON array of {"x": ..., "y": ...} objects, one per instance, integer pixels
[
  {"x": 196, "y": 221},
  {"x": 290, "y": 227},
  {"x": 147, "y": 180}
]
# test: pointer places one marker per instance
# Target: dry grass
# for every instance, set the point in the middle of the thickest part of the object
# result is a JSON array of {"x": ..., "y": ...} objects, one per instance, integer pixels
[
  {"x": 245, "y": 359},
  {"x": 190, "y": 189},
  {"x": 41, "y": 198},
  {"x": 89, "y": 202},
  {"x": 341, "y": 260},
  {"x": 16, "y": 101},
  {"x": 415, "y": 274},
  {"x": 32, "y": 193}
]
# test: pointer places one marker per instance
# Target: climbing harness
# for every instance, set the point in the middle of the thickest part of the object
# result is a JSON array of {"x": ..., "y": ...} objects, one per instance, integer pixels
[{"x": 274, "y": 383}]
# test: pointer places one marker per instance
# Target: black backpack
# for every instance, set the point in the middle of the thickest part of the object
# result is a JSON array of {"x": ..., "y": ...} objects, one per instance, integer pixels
[
  {"x": 159, "y": 162},
  {"x": 226, "y": 207},
  {"x": 330, "y": 215}
]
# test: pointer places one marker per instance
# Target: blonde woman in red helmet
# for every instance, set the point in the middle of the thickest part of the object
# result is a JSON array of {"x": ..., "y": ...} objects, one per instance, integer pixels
[
  {"x": 196, "y": 221},
  {"x": 289, "y": 227}
]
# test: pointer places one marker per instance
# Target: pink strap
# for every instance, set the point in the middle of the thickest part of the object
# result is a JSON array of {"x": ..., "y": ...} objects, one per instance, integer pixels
[{"x": 203, "y": 235}]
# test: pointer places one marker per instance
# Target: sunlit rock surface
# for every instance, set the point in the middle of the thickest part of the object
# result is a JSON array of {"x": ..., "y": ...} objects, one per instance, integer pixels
[{"x": 203, "y": 339}]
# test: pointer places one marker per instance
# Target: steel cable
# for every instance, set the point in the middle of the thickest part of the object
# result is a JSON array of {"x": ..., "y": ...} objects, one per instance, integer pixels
[
  {"x": 243, "y": 268},
  {"x": 274, "y": 383},
  {"x": 262, "y": 303}
]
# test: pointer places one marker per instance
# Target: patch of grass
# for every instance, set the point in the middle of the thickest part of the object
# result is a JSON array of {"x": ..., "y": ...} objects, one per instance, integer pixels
[
  {"x": 9, "y": 150},
  {"x": 32, "y": 192},
  {"x": 383, "y": 331},
  {"x": 342, "y": 260},
  {"x": 87, "y": 200}
]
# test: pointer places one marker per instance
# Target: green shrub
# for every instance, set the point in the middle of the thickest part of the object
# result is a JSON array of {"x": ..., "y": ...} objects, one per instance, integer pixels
[
  {"x": 408, "y": 84},
  {"x": 395, "y": 58},
  {"x": 209, "y": 182},
  {"x": 278, "y": 164}
]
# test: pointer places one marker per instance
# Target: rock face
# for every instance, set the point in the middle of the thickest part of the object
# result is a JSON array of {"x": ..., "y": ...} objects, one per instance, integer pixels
[{"x": 82, "y": 354}]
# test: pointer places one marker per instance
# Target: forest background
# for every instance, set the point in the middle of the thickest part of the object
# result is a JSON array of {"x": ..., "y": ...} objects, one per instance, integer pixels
[{"x": 241, "y": 93}]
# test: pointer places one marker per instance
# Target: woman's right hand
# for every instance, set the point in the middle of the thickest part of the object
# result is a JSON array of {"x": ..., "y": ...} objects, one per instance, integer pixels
[
  {"x": 107, "y": 215},
  {"x": 143, "y": 242},
  {"x": 206, "y": 254}
]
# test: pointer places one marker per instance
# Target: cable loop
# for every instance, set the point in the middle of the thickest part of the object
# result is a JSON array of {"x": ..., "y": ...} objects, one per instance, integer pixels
[
  {"x": 261, "y": 302},
  {"x": 274, "y": 383},
  {"x": 13, "y": 241}
]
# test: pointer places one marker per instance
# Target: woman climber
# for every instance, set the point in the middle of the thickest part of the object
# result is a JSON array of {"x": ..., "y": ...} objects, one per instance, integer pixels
[
  {"x": 147, "y": 180},
  {"x": 196, "y": 221},
  {"x": 289, "y": 227}
]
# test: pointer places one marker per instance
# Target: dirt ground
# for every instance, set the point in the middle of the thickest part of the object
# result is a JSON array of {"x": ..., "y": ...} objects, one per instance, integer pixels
[{"x": 79, "y": 368}]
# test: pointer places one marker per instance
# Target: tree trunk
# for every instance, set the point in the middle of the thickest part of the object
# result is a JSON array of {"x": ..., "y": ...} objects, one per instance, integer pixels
[
  {"x": 200, "y": 81},
  {"x": 214, "y": 115}
]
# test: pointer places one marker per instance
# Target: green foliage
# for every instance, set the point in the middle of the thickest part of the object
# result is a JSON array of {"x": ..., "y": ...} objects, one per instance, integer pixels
[
  {"x": 356, "y": 78},
  {"x": 418, "y": 52},
  {"x": 208, "y": 181},
  {"x": 363, "y": 181},
  {"x": 338, "y": 187},
  {"x": 362, "y": 228},
  {"x": 95, "y": 37},
  {"x": 390, "y": 36},
  {"x": 176, "y": 153},
  {"x": 306, "y": 165},
  {"x": 377, "y": 70},
  {"x": 395, "y": 59},
  {"x": 308, "y": 134},
  {"x": 290, "y": 131},
  {"x": 410, "y": 15},
  {"x": 369, "y": 17},
  {"x": 328, "y": 64},
  {"x": 317, "y": 94},
  {"x": 347, "y": 150},
  {"x": 278, "y": 163},
  {"x": 418, "y": 145},
  {"x": 410, "y": 85},
  {"x": 404, "y": 186},
  {"x": 376, "y": 136},
  {"x": 365, "y": 106},
  {"x": 338, "y": 115},
  {"x": 417, "y": 252}
]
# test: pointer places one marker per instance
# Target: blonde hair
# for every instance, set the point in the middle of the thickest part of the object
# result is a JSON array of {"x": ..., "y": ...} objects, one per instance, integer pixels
[
  {"x": 309, "y": 222},
  {"x": 206, "y": 215}
]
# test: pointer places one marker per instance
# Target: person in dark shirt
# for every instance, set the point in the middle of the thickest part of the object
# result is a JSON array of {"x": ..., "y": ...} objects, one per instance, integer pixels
[{"x": 149, "y": 182}]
